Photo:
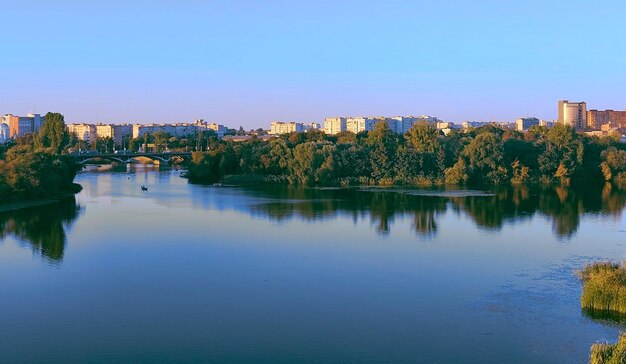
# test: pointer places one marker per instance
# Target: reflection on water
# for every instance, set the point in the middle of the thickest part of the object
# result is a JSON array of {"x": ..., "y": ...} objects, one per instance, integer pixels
[
  {"x": 563, "y": 206},
  {"x": 606, "y": 317},
  {"x": 246, "y": 274},
  {"x": 43, "y": 227}
]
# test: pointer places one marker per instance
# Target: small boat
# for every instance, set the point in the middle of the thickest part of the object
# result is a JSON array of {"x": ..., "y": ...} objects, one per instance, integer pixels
[
  {"x": 144, "y": 188},
  {"x": 183, "y": 174}
]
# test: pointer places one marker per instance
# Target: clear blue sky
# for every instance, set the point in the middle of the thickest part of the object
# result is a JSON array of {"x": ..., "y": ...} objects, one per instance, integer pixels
[{"x": 249, "y": 62}]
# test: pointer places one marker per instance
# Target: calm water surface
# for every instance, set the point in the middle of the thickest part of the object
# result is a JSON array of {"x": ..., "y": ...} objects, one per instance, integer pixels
[{"x": 228, "y": 274}]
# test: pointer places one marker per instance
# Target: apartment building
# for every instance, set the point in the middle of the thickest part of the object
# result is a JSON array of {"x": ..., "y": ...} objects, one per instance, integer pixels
[
  {"x": 280, "y": 127},
  {"x": 334, "y": 125},
  {"x": 22, "y": 125},
  {"x": 597, "y": 118},
  {"x": 177, "y": 129},
  {"x": 359, "y": 124},
  {"x": 85, "y": 132}
]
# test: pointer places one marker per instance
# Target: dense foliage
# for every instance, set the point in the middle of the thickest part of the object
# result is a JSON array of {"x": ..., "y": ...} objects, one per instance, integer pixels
[
  {"x": 604, "y": 287},
  {"x": 486, "y": 155},
  {"x": 603, "y": 353},
  {"x": 33, "y": 166}
]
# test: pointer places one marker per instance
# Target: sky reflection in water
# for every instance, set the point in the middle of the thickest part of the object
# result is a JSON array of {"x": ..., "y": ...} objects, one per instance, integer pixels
[{"x": 192, "y": 273}]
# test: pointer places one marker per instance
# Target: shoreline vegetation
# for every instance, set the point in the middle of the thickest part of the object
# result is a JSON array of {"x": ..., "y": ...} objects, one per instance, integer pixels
[
  {"x": 604, "y": 288},
  {"x": 34, "y": 170},
  {"x": 483, "y": 156},
  {"x": 605, "y": 353},
  {"x": 9, "y": 206},
  {"x": 604, "y": 297}
]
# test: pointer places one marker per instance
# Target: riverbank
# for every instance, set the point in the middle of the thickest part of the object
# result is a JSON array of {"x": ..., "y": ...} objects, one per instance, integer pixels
[{"x": 27, "y": 203}]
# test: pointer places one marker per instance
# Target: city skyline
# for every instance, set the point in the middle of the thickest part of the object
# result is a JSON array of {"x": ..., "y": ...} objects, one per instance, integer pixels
[{"x": 244, "y": 63}]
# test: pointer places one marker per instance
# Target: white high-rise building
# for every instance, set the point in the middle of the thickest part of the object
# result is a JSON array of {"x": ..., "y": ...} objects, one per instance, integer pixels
[{"x": 573, "y": 114}]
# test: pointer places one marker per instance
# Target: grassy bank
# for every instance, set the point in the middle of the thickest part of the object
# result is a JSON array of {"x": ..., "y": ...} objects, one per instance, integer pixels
[
  {"x": 604, "y": 287},
  {"x": 603, "y": 353}
]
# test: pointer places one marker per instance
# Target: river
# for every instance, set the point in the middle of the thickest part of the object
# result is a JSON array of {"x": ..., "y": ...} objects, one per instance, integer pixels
[{"x": 194, "y": 273}]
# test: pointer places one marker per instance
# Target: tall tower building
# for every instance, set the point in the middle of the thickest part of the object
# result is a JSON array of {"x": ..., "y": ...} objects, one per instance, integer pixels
[{"x": 573, "y": 114}]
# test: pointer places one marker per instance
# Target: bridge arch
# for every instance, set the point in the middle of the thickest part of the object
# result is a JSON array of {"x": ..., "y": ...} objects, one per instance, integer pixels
[{"x": 165, "y": 158}]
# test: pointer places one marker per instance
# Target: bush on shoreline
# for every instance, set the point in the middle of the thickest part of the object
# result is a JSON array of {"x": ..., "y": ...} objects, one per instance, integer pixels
[
  {"x": 604, "y": 353},
  {"x": 34, "y": 167},
  {"x": 604, "y": 287},
  {"x": 26, "y": 174}
]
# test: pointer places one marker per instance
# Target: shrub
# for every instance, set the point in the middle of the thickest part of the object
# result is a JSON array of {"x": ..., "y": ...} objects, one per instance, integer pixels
[
  {"x": 603, "y": 353},
  {"x": 604, "y": 287}
]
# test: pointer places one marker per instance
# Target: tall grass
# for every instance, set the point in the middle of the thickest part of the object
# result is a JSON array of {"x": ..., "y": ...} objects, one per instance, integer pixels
[
  {"x": 604, "y": 287},
  {"x": 603, "y": 353}
]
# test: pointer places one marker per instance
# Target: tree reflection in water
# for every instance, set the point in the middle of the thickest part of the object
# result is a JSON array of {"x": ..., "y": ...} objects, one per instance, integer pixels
[
  {"x": 43, "y": 227},
  {"x": 510, "y": 204}
]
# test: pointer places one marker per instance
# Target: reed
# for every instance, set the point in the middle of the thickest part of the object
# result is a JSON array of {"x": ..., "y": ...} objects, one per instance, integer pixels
[
  {"x": 604, "y": 353},
  {"x": 604, "y": 287}
]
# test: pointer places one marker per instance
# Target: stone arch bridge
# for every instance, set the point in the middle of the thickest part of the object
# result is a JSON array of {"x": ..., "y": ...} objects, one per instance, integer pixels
[{"x": 166, "y": 158}]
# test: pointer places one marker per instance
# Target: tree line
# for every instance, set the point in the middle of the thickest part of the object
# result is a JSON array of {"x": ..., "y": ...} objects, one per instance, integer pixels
[
  {"x": 36, "y": 166},
  {"x": 422, "y": 156}
]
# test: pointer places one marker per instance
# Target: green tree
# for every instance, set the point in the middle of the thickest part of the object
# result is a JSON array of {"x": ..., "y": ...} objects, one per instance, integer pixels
[
  {"x": 563, "y": 154},
  {"x": 484, "y": 157},
  {"x": 312, "y": 163},
  {"x": 160, "y": 140},
  {"x": 53, "y": 135},
  {"x": 382, "y": 142},
  {"x": 424, "y": 138},
  {"x": 105, "y": 144}
]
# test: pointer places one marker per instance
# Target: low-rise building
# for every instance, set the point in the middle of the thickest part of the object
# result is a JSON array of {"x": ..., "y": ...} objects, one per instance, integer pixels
[
  {"x": 219, "y": 129},
  {"x": 523, "y": 124}
]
